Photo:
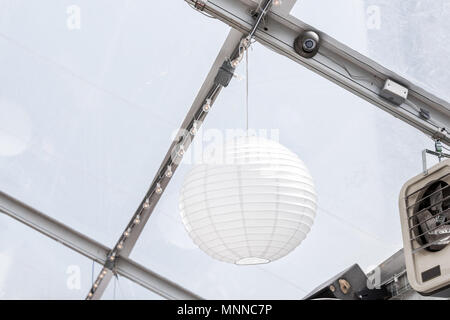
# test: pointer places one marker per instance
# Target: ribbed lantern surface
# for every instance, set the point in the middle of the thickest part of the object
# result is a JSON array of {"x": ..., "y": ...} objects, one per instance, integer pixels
[{"x": 254, "y": 204}]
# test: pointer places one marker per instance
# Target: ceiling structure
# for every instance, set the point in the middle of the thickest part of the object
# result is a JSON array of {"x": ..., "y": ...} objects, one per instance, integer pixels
[{"x": 88, "y": 110}]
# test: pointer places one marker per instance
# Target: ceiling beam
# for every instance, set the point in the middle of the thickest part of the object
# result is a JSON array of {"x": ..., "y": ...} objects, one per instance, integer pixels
[
  {"x": 220, "y": 75},
  {"x": 339, "y": 64},
  {"x": 208, "y": 92},
  {"x": 91, "y": 249}
]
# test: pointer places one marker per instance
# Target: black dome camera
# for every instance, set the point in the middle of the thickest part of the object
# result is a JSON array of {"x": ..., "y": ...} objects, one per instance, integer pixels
[{"x": 307, "y": 44}]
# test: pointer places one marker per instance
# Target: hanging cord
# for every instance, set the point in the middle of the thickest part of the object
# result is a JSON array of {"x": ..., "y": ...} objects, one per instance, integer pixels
[
  {"x": 92, "y": 276},
  {"x": 246, "y": 88},
  {"x": 115, "y": 282}
]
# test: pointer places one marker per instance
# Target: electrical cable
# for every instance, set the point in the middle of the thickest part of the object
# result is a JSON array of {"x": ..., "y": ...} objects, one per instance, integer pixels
[
  {"x": 375, "y": 79},
  {"x": 246, "y": 88},
  {"x": 353, "y": 76},
  {"x": 92, "y": 275},
  {"x": 115, "y": 285}
]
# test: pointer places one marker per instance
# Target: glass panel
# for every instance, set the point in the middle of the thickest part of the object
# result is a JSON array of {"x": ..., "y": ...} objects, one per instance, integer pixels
[
  {"x": 33, "y": 266},
  {"x": 89, "y": 101},
  {"x": 88, "y": 104},
  {"x": 121, "y": 288},
  {"x": 409, "y": 37},
  {"x": 358, "y": 155}
]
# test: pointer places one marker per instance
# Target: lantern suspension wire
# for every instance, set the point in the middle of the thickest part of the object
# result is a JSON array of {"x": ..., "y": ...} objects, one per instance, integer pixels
[
  {"x": 92, "y": 275},
  {"x": 244, "y": 46},
  {"x": 246, "y": 89},
  {"x": 115, "y": 287},
  {"x": 260, "y": 18},
  {"x": 246, "y": 41}
]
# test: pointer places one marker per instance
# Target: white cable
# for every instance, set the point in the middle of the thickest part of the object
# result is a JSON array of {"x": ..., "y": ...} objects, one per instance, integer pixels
[{"x": 246, "y": 87}]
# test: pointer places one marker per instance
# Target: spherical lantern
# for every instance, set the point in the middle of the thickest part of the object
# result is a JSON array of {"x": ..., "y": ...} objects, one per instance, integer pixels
[{"x": 253, "y": 204}]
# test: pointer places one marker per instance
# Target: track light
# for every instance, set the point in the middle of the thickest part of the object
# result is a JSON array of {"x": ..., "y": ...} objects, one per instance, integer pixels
[
  {"x": 207, "y": 105},
  {"x": 169, "y": 172},
  {"x": 158, "y": 189},
  {"x": 181, "y": 151},
  {"x": 195, "y": 126},
  {"x": 194, "y": 129}
]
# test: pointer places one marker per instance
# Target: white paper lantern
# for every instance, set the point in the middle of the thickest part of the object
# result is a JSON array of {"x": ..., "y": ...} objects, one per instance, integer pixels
[{"x": 254, "y": 204}]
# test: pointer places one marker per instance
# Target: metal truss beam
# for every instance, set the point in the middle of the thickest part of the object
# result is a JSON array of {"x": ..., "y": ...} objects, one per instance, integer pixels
[
  {"x": 209, "y": 90},
  {"x": 338, "y": 63},
  {"x": 219, "y": 76},
  {"x": 91, "y": 249}
]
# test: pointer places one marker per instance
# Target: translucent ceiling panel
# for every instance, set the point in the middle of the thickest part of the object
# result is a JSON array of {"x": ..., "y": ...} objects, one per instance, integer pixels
[
  {"x": 410, "y": 37},
  {"x": 33, "y": 266},
  {"x": 358, "y": 155},
  {"x": 121, "y": 288},
  {"x": 90, "y": 95}
]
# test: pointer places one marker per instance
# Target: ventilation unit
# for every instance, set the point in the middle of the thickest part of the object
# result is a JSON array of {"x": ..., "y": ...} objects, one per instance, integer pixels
[{"x": 425, "y": 219}]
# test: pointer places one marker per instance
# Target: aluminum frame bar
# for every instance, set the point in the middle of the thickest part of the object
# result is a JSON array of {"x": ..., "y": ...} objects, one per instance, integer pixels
[
  {"x": 209, "y": 89},
  {"x": 91, "y": 249},
  {"x": 339, "y": 64}
]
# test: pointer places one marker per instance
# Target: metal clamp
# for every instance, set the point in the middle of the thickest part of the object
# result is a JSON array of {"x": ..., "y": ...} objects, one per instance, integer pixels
[{"x": 438, "y": 153}]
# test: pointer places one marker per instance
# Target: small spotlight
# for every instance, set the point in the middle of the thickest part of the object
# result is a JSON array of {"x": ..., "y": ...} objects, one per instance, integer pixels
[
  {"x": 169, "y": 172},
  {"x": 277, "y": 2},
  {"x": 158, "y": 189},
  {"x": 207, "y": 105},
  {"x": 146, "y": 203}
]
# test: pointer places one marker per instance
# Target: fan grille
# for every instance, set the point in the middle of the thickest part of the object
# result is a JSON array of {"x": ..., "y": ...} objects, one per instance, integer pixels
[{"x": 429, "y": 216}]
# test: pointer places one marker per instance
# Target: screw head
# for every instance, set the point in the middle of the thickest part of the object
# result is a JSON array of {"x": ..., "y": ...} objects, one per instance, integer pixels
[{"x": 309, "y": 45}]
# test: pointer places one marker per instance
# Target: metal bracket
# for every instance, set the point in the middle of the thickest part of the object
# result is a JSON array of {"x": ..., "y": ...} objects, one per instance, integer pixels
[
  {"x": 200, "y": 4},
  {"x": 110, "y": 264},
  {"x": 225, "y": 74},
  {"x": 440, "y": 156}
]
